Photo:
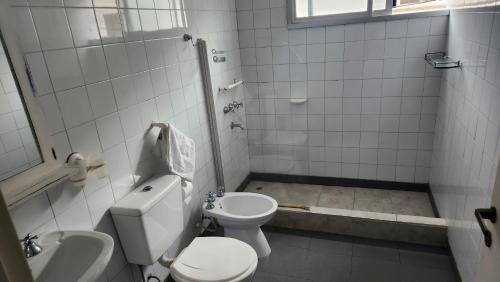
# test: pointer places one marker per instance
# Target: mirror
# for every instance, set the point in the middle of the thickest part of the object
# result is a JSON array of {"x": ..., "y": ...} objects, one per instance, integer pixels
[
  {"x": 28, "y": 164},
  {"x": 19, "y": 150}
]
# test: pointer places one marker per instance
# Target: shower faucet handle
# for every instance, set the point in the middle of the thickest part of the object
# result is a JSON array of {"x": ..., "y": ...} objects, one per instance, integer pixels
[
  {"x": 229, "y": 108},
  {"x": 237, "y": 104}
]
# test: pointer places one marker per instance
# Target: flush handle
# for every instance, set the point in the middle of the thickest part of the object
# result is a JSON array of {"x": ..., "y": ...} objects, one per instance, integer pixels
[{"x": 481, "y": 215}]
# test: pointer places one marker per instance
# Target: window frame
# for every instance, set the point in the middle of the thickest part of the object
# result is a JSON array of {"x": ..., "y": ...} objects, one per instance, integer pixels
[{"x": 355, "y": 17}]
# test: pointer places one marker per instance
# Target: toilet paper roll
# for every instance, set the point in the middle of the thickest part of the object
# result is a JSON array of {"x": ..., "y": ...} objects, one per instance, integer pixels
[{"x": 187, "y": 190}]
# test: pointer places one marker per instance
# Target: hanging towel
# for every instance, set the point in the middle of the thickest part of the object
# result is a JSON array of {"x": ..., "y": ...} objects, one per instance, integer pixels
[
  {"x": 178, "y": 151},
  {"x": 187, "y": 191}
]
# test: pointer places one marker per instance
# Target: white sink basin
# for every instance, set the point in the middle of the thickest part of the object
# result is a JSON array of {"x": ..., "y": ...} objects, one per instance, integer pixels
[{"x": 71, "y": 256}]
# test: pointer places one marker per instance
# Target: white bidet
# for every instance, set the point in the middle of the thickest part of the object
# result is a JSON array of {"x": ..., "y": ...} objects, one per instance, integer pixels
[{"x": 242, "y": 214}]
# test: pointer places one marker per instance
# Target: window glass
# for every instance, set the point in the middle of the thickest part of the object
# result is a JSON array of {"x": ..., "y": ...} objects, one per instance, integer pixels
[
  {"x": 308, "y": 8},
  {"x": 379, "y": 5}
]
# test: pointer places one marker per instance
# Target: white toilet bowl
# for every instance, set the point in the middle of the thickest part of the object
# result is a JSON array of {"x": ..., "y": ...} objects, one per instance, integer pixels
[
  {"x": 215, "y": 259},
  {"x": 241, "y": 214}
]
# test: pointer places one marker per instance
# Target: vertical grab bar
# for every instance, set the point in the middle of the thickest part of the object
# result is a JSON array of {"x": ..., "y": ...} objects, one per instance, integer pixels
[{"x": 210, "y": 103}]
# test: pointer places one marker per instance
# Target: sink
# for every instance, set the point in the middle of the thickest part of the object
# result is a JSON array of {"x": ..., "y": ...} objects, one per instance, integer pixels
[{"x": 71, "y": 256}]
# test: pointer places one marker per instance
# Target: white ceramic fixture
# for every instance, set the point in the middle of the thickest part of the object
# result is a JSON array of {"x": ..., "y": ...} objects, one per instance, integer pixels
[
  {"x": 71, "y": 256},
  {"x": 215, "y": 259},
  {"x": 241, "y": 214},
  {"x": 150, "y": 219}
]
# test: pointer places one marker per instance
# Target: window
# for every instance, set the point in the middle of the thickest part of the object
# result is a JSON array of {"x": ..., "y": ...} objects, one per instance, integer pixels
[{"x": 316, "y": 12}]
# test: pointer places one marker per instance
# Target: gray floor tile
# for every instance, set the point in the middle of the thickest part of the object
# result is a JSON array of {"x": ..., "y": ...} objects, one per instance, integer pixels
[
  {"x": 374, "y": 200},
  {"x": 373, "y": 270},
  {"x": 270, "y": 277},
  {"x": 287, "y": 193},
  {"x": 284, "y": 260},
  {"x": 408, "y": 273},
  {"x": 336, "y": 197},
  {"x": 327, "y": 246},
  {"x": 411, "y": 203},
  {"x": 319, "y": 257},
  {"x": 371, "y": 249},
  {"x": 363, "y": 199},
  {"x": 326, "y": 268},
  {"x": 290, "y": 238},
  {"x": 427, "y": 259}
]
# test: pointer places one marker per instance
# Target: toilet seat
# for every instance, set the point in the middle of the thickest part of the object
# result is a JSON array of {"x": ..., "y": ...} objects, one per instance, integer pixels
[{"x": 214, "y": 259}]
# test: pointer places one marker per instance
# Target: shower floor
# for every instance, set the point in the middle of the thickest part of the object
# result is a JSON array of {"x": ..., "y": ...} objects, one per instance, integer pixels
[
  {"x": 394, "y": 215},
  {"x": 361, "y": 199}
]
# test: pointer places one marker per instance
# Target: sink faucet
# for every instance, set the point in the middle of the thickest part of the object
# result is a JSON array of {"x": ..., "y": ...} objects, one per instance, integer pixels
[
  {"x": 236, "y": 124},
  {"x": 30, "y": 247}
]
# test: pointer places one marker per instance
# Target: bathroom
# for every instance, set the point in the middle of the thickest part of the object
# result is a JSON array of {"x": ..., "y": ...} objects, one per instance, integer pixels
[{"x": 371, "y": 127}]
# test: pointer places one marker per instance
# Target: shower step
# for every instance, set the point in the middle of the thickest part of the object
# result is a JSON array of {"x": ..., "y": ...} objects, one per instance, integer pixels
[{"x": 373, "y": 225}]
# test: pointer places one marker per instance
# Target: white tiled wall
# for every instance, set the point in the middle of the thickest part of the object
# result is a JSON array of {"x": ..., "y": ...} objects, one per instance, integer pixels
[
  {"x": 371, "y": 98},
  {"x": 467, "y": 144},
  {"x": 105, "y": 69},
  {"x": 18, "y": 150}
]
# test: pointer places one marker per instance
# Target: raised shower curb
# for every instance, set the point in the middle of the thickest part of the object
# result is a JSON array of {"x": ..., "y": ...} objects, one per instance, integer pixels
[{"x": 393, "y": 227}]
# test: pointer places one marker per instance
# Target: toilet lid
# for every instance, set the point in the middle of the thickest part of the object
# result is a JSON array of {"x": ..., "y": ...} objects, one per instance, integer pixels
[{"x": 214, "y": 259}]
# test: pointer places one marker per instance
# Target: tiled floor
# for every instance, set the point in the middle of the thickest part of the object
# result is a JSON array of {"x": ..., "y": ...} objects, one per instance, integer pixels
[
  {"x": 317, "y": 257},
  {"x": 363, "y": 199}
]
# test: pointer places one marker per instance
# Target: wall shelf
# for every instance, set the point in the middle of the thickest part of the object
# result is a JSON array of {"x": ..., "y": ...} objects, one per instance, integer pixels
[{"x": 439, "y": 60}]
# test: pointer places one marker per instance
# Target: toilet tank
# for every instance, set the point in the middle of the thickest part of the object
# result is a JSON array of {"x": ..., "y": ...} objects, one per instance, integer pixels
[{"x": 149, "y": 219}]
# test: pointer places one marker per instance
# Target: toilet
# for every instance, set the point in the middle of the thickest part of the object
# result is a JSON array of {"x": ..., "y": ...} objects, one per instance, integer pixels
[
  {"x": 150, "y": 219},
  {"x": 242, "y": 214}
]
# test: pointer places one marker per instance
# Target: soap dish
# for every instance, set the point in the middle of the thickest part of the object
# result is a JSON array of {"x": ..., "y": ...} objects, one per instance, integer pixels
[{"x": 439, "y": 60}]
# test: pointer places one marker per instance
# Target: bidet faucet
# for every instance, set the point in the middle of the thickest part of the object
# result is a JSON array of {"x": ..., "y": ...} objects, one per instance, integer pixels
[
  {"x": 210, "y": 201},
  {"x": 30, "y": 247}
]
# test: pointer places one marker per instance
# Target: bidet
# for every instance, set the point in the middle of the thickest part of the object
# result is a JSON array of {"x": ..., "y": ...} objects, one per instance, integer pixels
[{"x": 242, "y": 214}]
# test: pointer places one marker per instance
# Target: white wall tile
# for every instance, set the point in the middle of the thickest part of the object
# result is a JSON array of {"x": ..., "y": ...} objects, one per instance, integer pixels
[
  {"x": 110, "y": 131},
  {"x": 52, "y": 28},
  {"x": 109, "y": 24},
  {"x": 84, "y": 139},
  {"x": 93, "y": 64},
  {"x": 26, "y": 29},
  {"x": 52, "y": 113},
  {"x": 76, "y": 217},
  {"x": 83, "y": 27},
  {"x": 75, "y": 106},
  {"x": 64, "y": 69},
  {"x": 101, "y": 98},
  {"x": 31, "y": 214}
]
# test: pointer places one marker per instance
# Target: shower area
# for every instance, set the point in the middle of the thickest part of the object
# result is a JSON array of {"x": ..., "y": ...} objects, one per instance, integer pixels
[{"x": 339, "y": 122}]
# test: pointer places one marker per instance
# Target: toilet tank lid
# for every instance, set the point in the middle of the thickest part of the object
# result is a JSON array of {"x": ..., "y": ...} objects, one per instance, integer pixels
[{"x": 144, "y": 197}]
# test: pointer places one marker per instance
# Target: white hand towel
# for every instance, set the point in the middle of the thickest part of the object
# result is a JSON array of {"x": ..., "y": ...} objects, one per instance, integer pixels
[
  {"x": 178, "y": 151},
  {"x": 187, "y": 190}
]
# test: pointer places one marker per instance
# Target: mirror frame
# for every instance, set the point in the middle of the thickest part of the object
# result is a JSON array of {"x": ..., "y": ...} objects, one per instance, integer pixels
[{"x": 34, "y": 180}]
